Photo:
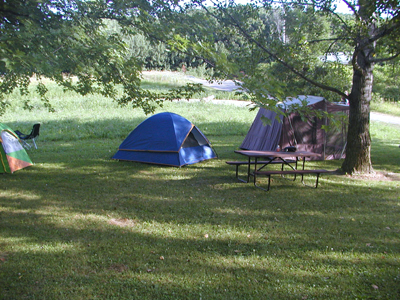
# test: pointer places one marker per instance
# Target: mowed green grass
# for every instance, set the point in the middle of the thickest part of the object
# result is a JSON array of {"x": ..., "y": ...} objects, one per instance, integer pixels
[{"x": 78, "y": 225}]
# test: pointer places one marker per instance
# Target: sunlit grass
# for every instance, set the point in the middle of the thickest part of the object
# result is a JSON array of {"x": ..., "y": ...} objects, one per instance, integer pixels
[
  {"x": 392, "y": 108},
  {"x": 78, "y": 225}
]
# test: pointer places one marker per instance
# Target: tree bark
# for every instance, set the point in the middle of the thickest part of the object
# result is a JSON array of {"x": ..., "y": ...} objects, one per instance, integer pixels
[{"x": 358, "y": 151}]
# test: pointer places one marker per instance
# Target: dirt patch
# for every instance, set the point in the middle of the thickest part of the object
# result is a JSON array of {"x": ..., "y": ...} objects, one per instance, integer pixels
[
  {"x": 120, "y": 268},
  {"x": 377, "y": 176},
  {"x": 122, "y": 222}
]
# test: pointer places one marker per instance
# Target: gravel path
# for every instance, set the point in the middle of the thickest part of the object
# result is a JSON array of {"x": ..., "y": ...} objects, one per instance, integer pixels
[
  {"x": 230, "y": 85},
  {"x": 384, "y": 118}
]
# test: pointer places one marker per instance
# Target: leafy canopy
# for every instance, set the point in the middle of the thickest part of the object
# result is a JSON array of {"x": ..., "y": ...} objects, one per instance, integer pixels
[{"x": 68, "y": 41}]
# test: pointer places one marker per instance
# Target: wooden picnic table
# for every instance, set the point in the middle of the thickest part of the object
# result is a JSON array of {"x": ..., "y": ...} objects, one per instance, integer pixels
[{"x": 261, "y": 159}]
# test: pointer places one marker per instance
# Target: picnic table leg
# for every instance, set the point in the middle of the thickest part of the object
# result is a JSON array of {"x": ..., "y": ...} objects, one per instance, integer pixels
[
  {"x": 237, "y": 172},
  {"x": 304, "y": 163},
  {"x": 261, "y": 188},
  {"x": 284, "y": 162},
  {"x": 255, "y": 169},
  {"x": 316, "y": 181},
  {"x": 248, "y": 169},
  {"x": 248, "y": 172}
]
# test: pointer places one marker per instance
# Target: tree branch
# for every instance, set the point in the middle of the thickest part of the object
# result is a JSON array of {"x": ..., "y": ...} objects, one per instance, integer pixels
[
  {"x": 324, "y": 9},
  {"x": 378, "y": 60},
  {"x": 278, "y": 59},
  {"x": 351, "y": 7},
  {"x": 328, "y": 40}
]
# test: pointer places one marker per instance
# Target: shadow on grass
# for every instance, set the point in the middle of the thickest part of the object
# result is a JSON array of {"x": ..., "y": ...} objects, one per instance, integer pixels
[
  {"x": 277, "y": 250},
  {"x": 81, "y": 225}
]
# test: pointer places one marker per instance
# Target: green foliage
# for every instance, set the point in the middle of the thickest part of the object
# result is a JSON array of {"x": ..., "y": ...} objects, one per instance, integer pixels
[
  {"x": 386, "y": 81},
  {"x": 102, "y": 47},
  {"x": 74, "y": 44},
  {"x": 217, "y": 36}
]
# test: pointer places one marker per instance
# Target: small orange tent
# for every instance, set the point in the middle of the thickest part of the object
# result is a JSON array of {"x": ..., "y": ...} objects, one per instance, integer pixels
[{"x": 13, "y": 156}]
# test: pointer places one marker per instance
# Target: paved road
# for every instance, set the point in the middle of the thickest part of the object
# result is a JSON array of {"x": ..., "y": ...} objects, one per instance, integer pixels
[
  {"x": 384, "y": 118},
  {"x": 226, "y": 85},
  {"x": 229, "y": 85}
]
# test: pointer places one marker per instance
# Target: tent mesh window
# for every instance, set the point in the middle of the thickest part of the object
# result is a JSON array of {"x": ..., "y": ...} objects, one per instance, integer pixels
[
  {"x": 336, "y": 135},
  {"x": 194, "y": 139},
  {"x": 305, "y": 132},
  {"x": 314, "y": 130},
  {"x": 298, "y": 129}
]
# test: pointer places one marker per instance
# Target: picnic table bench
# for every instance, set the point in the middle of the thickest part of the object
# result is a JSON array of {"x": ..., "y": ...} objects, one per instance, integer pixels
[
  {"x": 287, "y": 172},
  {"x": 261, "y": 162}
]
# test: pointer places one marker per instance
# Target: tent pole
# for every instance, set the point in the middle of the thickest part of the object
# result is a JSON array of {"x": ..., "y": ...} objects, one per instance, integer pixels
[
  {"x": 344, "y": 148},
  {"x": 326, "y": 124},
  {"x": 291, "y": 126}
]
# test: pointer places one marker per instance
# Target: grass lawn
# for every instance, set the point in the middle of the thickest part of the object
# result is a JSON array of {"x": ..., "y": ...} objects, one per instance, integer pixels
[{"x": 78, "y": 225}]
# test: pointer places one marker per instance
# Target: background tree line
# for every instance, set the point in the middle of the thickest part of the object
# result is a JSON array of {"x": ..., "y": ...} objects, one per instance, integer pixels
[
  {"x": 156, "y": 54},
  {"x": 152, "y": 52}
]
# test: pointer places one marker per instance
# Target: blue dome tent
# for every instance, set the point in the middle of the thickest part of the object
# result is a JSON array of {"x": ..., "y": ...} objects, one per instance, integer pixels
[{"x": 166, "y": 139}]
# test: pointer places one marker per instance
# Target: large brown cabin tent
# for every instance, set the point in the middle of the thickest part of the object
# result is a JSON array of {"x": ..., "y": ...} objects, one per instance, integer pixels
[{"x": 291, "y": 130}]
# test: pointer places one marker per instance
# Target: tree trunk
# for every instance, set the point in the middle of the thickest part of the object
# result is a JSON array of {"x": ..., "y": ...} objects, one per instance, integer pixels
[{"x": 358, "y": 150}]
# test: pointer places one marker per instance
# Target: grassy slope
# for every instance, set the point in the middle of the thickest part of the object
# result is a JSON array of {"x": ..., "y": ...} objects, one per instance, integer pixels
[
  {"x": 386, "y": 108},
  {"x": 78, "y": 225}
]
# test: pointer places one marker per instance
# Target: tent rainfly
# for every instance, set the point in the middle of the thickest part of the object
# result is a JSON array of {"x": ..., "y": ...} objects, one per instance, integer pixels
[
  {"x": 13, "y": 156},
  {"x": 307, "y": 135},
  {"x": 165, "y": 139}
]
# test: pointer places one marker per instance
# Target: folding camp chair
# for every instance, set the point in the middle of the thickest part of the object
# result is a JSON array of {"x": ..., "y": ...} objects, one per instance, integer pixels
[{"x": 31, "y": 136}]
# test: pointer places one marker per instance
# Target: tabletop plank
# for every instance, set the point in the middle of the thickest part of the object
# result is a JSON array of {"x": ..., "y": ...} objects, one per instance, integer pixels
[{"x": 256, "y": 153}]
